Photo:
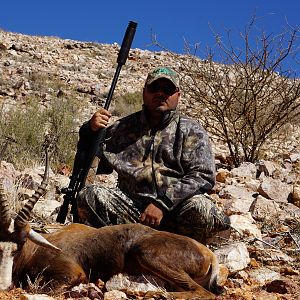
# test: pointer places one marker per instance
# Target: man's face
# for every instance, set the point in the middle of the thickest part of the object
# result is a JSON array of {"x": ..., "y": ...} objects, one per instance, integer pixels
[{"x": 161, "y": 96}]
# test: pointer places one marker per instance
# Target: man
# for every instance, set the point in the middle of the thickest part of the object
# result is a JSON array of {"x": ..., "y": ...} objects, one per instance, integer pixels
[{"x": 164, "y": 164}]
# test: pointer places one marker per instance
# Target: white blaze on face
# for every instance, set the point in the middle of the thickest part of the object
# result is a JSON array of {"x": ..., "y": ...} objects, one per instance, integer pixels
[{"x": 6, "y": 263}]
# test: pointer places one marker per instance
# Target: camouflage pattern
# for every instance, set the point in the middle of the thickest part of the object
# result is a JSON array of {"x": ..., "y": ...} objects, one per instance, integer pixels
[
  {"x": 167, "y": 166},
  {"x": 163, "y": 72},
  {"x": 197, "y": 217}
]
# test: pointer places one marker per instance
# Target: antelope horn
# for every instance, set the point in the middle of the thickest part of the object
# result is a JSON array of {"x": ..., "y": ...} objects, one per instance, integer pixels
[
  {"x": 40, "y": 240},
  {"x": 24, "y": 214},
  {"x": 5, "y": 218}
]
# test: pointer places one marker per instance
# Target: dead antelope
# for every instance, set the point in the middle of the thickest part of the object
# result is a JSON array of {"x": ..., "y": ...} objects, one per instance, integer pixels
[
  {"x": 89, "y": 253},
  {"x": 78, "y": 254}
]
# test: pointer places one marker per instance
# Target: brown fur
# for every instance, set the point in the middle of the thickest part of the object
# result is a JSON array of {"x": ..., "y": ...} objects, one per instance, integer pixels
[{"x": 88, "y": 254}]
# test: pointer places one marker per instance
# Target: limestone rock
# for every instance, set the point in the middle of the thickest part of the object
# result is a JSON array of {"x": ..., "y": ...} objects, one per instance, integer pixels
[
  {"x": 235, "y": 256},
  {"x": 240, "y": 199},
  {"x": 88, "y": 291},
  {"x": 289, "y": 212},
  {"x": 266, "y": 168},
  {"x": 263, "y": 275},
  {"x": 263, "y": 208},
  {"x": 271, "y": 255},
  {"x": 245, "y": 170},
  {"x": 135, "y": 284},
  {"x": 274, "y": 189},
  {"x": 244, "y": 225},
  {"x": 8, "y": 175},
  {"x": 113, "y": 295}
]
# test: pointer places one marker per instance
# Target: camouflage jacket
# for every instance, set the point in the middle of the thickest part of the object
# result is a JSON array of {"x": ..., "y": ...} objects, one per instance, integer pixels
[{"x": 164, "y": 165}]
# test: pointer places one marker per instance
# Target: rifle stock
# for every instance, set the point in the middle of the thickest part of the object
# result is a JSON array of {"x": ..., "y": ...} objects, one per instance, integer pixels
[{"x": 79, "y": 174}]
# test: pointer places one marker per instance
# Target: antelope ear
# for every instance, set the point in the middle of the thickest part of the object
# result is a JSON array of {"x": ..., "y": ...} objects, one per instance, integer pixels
[{"x": 40, "y": 240}]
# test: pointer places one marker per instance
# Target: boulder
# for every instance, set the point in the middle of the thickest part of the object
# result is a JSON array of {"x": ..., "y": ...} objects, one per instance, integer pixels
[
  {"x": 264, "y": 209},
  {"x": 234, "y": 256},
  {"x": 244, "y": 225},
  {"x": 263, "y": 275},
  {"x": 274, "y": 189},
  {"x": 245, "y": 170},
  {"x": 240, "y": 199}
]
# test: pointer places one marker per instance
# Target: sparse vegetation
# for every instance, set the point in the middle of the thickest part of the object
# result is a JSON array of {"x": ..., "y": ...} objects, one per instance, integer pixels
[
  {"x": 45, "y": 82},
  {"x": 23, "y": 124},
  {"x": 128, "y": 103},
  {"x": 62, "y": 116},
  {"x": 250, "y": 95},
  {"x": 27, "y": 124}
]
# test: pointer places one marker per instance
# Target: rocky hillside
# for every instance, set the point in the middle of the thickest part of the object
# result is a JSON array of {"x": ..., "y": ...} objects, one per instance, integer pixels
[
  {"x": 32, "y": 65},
  {"x": 262, "y": 200},
  {"x": 48, "y": 67}
]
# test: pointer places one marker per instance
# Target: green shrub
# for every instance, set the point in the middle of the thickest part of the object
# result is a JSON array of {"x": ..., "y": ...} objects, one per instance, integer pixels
[
  {"x": 62, "y": 116},
  {"x": 27, "y": 125},
  {"x": 23, "y": 124}
]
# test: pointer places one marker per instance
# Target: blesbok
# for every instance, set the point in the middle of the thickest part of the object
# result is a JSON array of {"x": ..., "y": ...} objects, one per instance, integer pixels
[{"x": 78, "y": 254}]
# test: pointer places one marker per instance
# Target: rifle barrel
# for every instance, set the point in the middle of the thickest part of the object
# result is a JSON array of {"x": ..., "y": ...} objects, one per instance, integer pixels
[
  {"x": 121, "y": 60},
  {"x": 79, "y": 175}
]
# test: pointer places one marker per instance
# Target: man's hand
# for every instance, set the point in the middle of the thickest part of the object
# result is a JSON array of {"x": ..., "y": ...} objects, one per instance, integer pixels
[
  {"x": 152, "y": 216},
  {"x": 100, "y": 119}
]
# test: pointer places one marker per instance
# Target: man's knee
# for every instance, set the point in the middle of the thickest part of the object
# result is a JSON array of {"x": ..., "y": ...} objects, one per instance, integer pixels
[
  {"x": 89, "y": 200},
  {"x": 92, "y": 194},
  {"x": 200, "y": 214}
]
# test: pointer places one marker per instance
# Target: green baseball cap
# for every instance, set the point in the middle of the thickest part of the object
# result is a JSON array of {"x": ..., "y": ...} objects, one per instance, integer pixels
[{"x": 163, "y": 72}]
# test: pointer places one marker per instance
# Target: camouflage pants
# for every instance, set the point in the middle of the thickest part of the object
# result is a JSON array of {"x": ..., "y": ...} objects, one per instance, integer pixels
[{"x": 197, "y": 217}]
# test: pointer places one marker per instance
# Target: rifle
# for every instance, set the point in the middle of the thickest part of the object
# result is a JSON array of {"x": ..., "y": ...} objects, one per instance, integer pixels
[{"x": 82, "y": 164}]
